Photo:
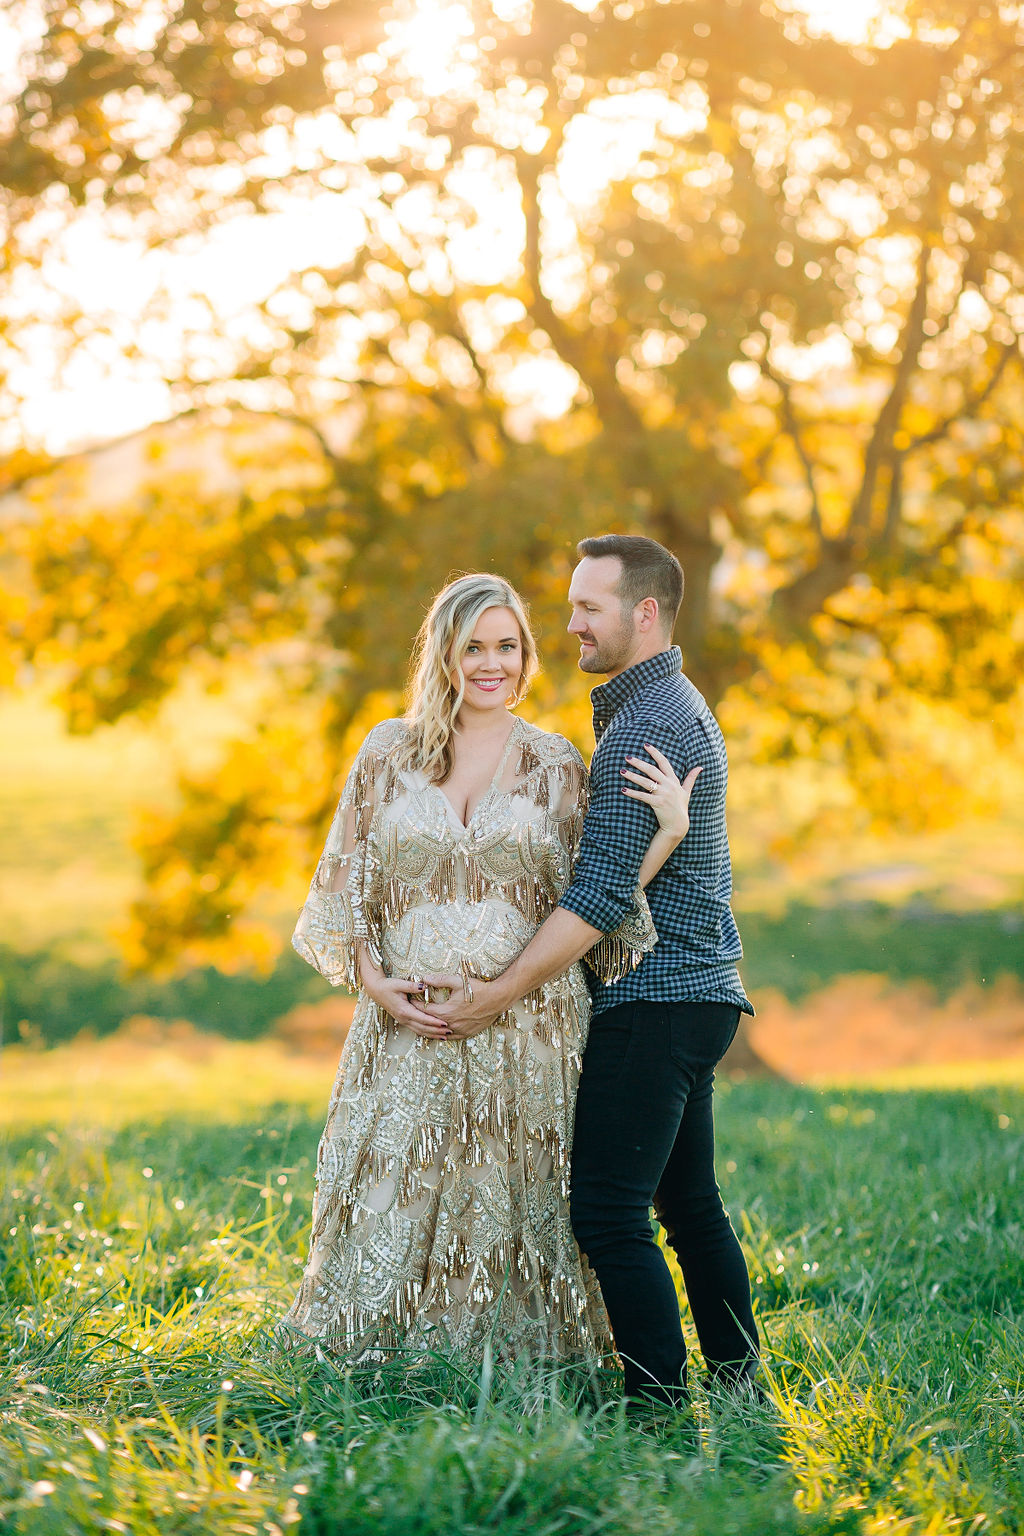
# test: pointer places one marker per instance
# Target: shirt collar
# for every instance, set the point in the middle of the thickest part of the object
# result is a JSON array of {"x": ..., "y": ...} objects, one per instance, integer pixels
[{"x": 608, "y": 698}]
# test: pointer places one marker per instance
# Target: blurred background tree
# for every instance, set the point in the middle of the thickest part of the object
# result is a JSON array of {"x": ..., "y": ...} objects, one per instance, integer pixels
[{"x": 701, "y": 270}]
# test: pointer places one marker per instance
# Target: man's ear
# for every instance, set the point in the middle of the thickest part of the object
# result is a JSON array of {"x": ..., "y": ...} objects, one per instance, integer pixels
[{"x": 647, "y": 615}]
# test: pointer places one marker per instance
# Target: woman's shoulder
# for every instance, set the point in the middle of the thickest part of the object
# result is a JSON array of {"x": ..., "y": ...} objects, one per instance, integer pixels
[
  {"x": 385, "y": 736},
  {"x": 548, "y": 748},
  {"x": 377, "y": 762},
  {"x": 381, "y": 749}
]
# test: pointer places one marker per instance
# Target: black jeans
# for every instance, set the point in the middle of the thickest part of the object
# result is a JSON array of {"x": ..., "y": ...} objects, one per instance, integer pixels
[{"x": 645, "y": 1136}]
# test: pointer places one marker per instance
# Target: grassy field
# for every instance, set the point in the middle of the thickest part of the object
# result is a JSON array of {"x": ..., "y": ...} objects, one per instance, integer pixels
[
  {"x": 154, "y": 1222},
  {"x": 155, "y": 1186}
]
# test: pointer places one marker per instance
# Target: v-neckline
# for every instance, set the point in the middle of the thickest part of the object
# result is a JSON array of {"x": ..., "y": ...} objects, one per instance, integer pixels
[{"x": 464, "y": 826}]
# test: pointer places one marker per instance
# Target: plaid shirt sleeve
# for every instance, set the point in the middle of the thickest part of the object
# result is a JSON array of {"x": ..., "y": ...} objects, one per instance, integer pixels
[{"x": 618, "y": 830}]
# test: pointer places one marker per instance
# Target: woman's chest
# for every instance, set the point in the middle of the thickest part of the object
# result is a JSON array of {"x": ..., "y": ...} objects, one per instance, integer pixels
[
  {"x": 505, "y": 836},
  {"x": 466, "y": 786}
]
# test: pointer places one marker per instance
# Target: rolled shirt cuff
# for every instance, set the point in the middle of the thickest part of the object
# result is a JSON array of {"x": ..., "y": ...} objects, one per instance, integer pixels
[{"x": 600, "y": 908}]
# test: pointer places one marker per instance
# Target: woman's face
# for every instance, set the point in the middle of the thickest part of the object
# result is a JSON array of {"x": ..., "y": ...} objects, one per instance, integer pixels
[{"x": 493, "y": 661}]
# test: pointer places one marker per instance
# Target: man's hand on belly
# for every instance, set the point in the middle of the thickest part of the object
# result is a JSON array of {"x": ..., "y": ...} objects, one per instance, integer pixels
[
  {"x": 399, "y": 997},
  {"x": 465, "y": 1016}
]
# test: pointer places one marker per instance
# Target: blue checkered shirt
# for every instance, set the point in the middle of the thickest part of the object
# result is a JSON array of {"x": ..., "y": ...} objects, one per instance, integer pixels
[{"x": 698, "y": 944}]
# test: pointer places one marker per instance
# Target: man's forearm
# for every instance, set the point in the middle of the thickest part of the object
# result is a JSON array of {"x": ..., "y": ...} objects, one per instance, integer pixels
[{"x": 561, "y": 939}]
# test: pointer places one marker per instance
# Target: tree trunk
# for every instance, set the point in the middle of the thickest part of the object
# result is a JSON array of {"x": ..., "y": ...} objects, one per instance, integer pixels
[{"x": 698, "y": 555}]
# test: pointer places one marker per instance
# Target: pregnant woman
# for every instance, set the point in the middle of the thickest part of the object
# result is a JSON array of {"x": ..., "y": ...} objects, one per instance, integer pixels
[{"x": 440, "y": 1218}]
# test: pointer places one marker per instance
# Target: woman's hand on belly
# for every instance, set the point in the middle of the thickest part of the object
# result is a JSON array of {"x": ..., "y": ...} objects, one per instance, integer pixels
[
  {"x": 398, "y": 997},
  {"x": 476, "y": 1011}
]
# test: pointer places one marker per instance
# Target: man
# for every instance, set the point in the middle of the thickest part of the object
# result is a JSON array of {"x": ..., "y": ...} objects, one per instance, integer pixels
[{"x": 644, "y": 1124}]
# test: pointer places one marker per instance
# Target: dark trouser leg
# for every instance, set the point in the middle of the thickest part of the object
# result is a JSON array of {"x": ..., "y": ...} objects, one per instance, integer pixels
[
  {"x": 689, "y": 1206},
  {"x": 643, "y": 1063}
]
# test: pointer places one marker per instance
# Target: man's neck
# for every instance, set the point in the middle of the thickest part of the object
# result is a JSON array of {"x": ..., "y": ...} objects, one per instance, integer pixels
[{"x": 645, "y": 654}]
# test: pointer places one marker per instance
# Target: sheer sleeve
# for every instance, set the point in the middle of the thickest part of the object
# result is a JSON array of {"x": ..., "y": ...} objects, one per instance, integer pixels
[
  {"x": 342, "y": 911},
  {"x": 620, "y": 951}
]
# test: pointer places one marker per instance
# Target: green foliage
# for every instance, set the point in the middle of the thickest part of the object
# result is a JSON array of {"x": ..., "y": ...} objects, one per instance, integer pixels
[
  {"x": 809, "y": 946},
  {"x": 55, "y": 996},
  {"x": 144, "y": 1265}
]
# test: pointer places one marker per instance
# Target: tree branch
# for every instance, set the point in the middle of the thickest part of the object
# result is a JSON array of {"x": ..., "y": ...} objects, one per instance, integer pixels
[
  {"x": 571, "y": 345},
  {"x": 970, "y": 404},
  {"x": 796, "y": 435},
  {"x": 880, "y": 444},
  {"x": 455, "y": 328},
  {"x": 798, "y": 600},
  {"x": 41, "y": 471},
  {"x": 894, "y": 505},
  {"x": 293, "y": 418}
]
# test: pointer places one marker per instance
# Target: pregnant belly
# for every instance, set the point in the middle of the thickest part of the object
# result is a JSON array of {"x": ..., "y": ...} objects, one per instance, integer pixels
[{"x": 486, "y": 935}]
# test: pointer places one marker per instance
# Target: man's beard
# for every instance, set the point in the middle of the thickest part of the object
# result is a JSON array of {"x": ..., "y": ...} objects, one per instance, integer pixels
[{"x": 609, "y": 655}]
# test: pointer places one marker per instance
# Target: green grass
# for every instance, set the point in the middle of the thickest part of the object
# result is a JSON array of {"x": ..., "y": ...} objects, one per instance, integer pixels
[{"x": 144, "y": 1260}]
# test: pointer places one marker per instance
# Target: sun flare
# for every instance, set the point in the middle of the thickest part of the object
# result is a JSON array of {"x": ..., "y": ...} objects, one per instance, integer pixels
[
  {"x": 435, "y": 45},
  {"x": 850, "y": 21}
]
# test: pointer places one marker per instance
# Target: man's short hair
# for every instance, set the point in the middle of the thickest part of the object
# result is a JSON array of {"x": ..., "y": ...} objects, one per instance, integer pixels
[{"x": 648, "y": 570}]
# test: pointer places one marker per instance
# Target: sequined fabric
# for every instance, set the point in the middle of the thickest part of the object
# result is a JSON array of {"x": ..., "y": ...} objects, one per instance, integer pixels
[{"x": 440, "y": 1217}]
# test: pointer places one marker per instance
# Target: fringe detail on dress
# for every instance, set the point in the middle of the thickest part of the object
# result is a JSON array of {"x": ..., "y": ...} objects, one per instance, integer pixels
[
  {"x": 612, "y": 958},
  {"x": 372, "y": 1047},
  {"x": 431, "y": 1313},
  {"x": 340, "y": 1212},
  {"x": 530, "y": 893},
  {"x": 394, "y": 900}
]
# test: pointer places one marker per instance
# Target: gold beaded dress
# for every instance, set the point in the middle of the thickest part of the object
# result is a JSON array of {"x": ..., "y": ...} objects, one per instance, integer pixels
[{"x": 440, "y": 1218}]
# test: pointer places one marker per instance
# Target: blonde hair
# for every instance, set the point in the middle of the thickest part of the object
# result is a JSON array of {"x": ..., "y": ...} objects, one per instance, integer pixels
[{"x": 437, "y": 687}]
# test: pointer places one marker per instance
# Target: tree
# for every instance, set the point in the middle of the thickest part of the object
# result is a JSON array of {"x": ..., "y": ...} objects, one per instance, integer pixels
[{"x": 777, "y": 277}]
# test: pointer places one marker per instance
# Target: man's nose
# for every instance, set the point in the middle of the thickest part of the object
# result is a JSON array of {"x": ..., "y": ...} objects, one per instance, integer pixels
[{"x": 575, "y": 624}]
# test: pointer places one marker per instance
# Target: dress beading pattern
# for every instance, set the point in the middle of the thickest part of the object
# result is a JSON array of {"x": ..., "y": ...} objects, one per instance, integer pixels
[{"x": 440, "y": 1217}]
